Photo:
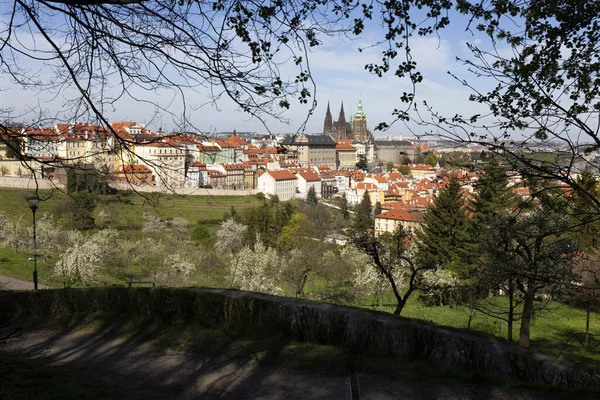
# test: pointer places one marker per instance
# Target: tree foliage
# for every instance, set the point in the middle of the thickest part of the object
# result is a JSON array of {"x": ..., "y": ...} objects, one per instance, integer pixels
[
  {"x": 230, "y": 238},
  {"x": 362, "y": 162},
  {"x": 344, "y": 207},
  {"x": 258, "y": 269},
  {"x": 444, "y": 236},
  {"x": 529, "y": 251},
  {"x": 311, "y": 195},
  {"x": 176, "y": 272},
  {"x": 394, "y": 257},
  {"x": 363, "y": 219},
  {"x": 80, "y": 262}
]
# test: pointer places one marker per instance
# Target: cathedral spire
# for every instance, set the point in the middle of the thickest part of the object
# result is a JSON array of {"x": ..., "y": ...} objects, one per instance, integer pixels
[
  {"x": 328, "y": 121},
  {"x": 342, "y": 117}
]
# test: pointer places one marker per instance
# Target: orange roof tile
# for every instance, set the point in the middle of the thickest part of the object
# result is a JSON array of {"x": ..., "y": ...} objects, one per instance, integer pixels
[
  {"x": 403, "y": 214},
  {"x": 282, "y": 175},
  {"x": 309, "y": 176}
]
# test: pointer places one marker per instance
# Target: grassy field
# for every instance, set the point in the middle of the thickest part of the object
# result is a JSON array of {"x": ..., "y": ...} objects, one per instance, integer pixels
[
  {"x": 556, "y": 331},
  {"x": 126, "y": 211},
  {"x": 127, "y": 208}
]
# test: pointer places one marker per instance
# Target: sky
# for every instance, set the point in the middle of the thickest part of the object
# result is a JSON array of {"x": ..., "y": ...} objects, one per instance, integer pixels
[{"x": 337, "y": 68}]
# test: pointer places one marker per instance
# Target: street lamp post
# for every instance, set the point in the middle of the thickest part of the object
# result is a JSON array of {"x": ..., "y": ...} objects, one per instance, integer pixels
[{"x": 33, "y": 204}]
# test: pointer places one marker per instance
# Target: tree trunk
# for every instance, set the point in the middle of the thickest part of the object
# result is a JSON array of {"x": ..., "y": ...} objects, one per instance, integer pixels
[
  {"x": 524, "y": 334},
  {"x": 301, "y": 285},
  {"x": 511, "y": 310},
  {"x": 587, "y": 326},
  {"x": 399, "y": 306}
]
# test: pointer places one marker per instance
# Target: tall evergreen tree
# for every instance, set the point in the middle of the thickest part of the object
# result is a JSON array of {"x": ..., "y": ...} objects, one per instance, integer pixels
[
  {"x": 311, "y": 195},
  {"x": 444, "y": 236},
  {"x": 585, "y": 217},
  {"x": 344, "y": 207},
  {"x": 377, "y": 210},
  {"x": 493, "y": 193},
  {"x": 71, "y": 181},
  {"x": 364, "y": 219},
  {"x": 362, "y": 162}
]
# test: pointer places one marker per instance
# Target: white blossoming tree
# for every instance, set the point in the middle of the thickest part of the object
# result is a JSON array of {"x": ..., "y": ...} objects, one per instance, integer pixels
[
  {"x": 49, "y": 236},
  {"x": 14, "y": 235},
  {"x": 80, "y": 262},
  {"x": 230, "y": 240},
  {"x": 153, "y": 225},
  {"x": 368, "y": 279},
  {"x": 395, "y": 258},
  {"x": 436, "y": 285},
  {"x": 257, "y": 270},
  {"x": 179, "y": 227},
  {"x": 176, "y": 271}
]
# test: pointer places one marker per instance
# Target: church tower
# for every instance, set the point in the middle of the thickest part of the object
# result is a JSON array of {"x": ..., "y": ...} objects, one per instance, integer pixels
[
  {"x": 341, "y": 122},
  {"x": 359, "y": 124},
  {"x": 328, "y": 122}
]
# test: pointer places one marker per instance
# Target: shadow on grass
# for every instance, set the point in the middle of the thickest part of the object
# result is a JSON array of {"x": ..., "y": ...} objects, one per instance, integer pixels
[{"x": 573, "y": 344}]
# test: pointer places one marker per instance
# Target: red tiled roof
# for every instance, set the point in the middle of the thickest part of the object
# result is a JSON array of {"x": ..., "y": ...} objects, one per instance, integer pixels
[
  {"x": 345, "y": 145},
  {"x": 223, "y": 143},
  {"x": 282, "y": 175},
  {"x": 367, "y": 186},
  {"x": 309, "y": 176},
  {"x": 133, "y": 169},
  {"x": 403, "y": 214},
  {"x": 236, "y": 141}
]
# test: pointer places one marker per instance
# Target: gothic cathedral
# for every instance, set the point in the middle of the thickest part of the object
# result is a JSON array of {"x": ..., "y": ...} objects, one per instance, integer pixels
[{"x": 356, "y": 129}]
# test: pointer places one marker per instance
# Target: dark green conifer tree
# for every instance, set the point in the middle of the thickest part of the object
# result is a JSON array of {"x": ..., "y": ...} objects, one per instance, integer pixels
[
  {"x": 444, "y": 236},
  {"x": 344, "y": 207},
  {"x": 364, "y": 219},
  {"x": 311, "y": 195},
  {"x": 377, "y": 210}
]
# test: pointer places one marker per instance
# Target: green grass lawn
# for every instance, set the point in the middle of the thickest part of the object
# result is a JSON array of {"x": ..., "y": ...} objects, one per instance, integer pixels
[
  {"x": 556, "y": 331},
  {"x": 127, "y": 208},
  {"x": 17, "y": 265}
]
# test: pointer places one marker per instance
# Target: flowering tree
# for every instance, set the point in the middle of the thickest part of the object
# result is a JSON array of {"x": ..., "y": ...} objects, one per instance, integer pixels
[
  {"x": 257, "y": 270},
  {"x": 179, "y": 227},
  {"x": 153, "y": 225},
  {"x": 177, "y": 271},
  {"x": 230, "y": 239},
  {"x": 13, "y": 235},
  {"x": 396, "y": 259},
  {"x": 49, "y": 236},
  {"x": 436, "y": 285},
  {"x": 80, "y": 263},
  {"x": 367, "y": 278}
]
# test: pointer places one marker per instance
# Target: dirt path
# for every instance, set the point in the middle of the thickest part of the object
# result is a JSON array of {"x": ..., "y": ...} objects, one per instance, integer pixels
[
  {"x": 142, "y": 371},
  {"x": 139, "y": 371},
  {"x": 8, "y": 283}
]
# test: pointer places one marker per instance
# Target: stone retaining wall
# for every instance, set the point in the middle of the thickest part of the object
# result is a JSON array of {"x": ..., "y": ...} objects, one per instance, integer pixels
[
  {"x": 27, "y": 183},
  {"x": 30, "y": 184},
  {"x": 356, "y": 330}
]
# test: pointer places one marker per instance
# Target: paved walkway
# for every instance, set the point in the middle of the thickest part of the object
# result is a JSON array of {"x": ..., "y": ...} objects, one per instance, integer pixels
[
  {"x": 142, "y": 371},
  {"x": 8, "y": 283}
]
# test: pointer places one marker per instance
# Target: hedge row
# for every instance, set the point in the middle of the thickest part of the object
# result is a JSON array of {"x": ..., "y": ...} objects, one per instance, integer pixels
[{"x": 356, "y": 330}]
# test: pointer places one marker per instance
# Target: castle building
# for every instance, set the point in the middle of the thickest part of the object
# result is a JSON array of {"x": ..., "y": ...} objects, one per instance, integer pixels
[{"x": 355, "y": 129}]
